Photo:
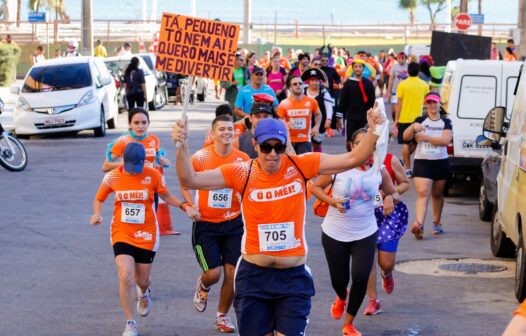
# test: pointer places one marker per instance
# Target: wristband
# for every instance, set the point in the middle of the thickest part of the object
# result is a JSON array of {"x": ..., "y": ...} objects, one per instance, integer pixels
[{"x": 183, "y": 206}]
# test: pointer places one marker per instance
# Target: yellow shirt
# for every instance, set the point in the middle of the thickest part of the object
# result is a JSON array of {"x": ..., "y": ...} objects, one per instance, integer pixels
[
  {"x": 412, "y": 92},
  {"x": 100, "y": 51}
]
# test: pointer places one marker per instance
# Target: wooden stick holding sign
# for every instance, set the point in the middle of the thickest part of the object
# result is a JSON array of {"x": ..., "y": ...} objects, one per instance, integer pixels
[{"x": 197, "y": 48}]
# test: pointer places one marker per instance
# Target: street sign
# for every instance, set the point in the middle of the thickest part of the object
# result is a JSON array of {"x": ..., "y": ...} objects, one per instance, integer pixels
[
  {"x": 36, "y": 17},
  {"x": 477, "y": 18},
  {"x": 463, "y": 21}
]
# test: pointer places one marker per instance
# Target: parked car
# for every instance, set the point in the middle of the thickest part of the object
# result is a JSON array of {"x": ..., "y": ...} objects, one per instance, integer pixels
[
  {"x": 470, "y": 89},
  {"x": 508, "y": 224},
  {"x": 117, "y": 66},
  {"x": 161, "y": 90},
  {"x": 66, "y": 94}
]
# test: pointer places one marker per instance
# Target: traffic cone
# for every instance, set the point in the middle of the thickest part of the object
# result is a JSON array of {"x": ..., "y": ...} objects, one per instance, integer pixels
[{"x": 164, "y": 220}]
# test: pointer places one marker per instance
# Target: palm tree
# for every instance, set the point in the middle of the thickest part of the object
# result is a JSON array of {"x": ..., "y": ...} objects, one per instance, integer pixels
[{"x": 410, "y": 5}]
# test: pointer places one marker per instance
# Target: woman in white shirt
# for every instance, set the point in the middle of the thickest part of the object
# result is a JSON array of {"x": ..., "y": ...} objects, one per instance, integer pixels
[{"x": 350, "y": 229}]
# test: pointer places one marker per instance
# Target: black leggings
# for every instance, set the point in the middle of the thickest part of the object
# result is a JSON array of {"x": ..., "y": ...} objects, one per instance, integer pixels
[
  {"x": 338, "y": 254},
  {"x": 135, "y": 100}
]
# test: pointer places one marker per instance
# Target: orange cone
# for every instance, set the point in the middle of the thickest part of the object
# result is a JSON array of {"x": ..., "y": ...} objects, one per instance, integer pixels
[{"x": 164, "y": 220}]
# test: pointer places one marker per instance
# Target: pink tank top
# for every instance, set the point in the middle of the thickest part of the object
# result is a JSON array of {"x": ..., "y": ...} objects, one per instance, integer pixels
[{"x": 275, "y": 80}]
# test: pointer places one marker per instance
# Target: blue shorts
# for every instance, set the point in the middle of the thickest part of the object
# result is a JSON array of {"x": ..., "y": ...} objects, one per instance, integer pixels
[
  {"x": 390, "y": 246},
  {"x": 216, "y": 244},
  {"x": 269, "y": 299}
]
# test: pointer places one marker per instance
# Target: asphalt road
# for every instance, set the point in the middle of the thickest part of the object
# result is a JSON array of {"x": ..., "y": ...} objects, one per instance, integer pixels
[{"x": 58, "y": 276}]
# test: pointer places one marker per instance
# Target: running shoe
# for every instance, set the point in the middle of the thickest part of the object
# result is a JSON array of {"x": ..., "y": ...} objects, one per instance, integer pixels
[
  {"x": 224, "y": 324},
  {"x": 348, "y": 330},
  {"x": 338, "y": 307},
  {"x": 387, "y": 282},
  {"x": 144, "y": 302},
  {"x": 374, "y": 307},
  {"x": 418, "y": 231},
  {"x": 200, "y": 296},
  {"x": 437, "y": 228},
  {"x": 409, "y": 173},
  {"x": 131, "y": 329}
]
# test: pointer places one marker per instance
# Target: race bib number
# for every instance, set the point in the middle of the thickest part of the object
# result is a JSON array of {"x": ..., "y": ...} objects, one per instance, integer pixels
[
  {"x": 430, "y": 149},
  {"x": 276, "y": 237},
  {"x": 148, "y": 164},
  {"x": 298, "y": 123},
  {"x": 132, "y": 213},
  {"x": 220, "y": 198},
  {"x": 378, "y": 200}
]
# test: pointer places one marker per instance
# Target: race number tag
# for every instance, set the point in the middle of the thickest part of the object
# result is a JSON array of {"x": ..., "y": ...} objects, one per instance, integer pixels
[
  {"x": 220, "y": 198},
  {"x": 378, "y": 200},
  {"x": 148, "y": 164},
  {"x": 132, "y": 213},
  {"x": 430, "y": 149},
  {"x": 276, "y": 237},
  {"x": 298, "y": 123}
]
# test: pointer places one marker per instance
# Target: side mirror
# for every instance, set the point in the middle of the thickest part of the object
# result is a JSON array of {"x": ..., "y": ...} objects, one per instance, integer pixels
[
  {"x": 15, "y": 89},
  {"x": 494, "y": 124},
  {"x": 106, "y": 81}
]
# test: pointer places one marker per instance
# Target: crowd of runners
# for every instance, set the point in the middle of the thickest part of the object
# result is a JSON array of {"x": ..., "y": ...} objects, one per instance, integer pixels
[{"x": 246, "y": 190}]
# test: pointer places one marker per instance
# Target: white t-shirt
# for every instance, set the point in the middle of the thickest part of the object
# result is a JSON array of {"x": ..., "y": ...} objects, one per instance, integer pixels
[
  {"x": 359, "y": 222},
  {"x": 434, "y": 128}
]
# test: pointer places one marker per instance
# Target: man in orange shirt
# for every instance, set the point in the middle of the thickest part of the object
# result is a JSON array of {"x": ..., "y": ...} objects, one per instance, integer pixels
[
  {"x": 134, "y": 229},
  {"x": 297, "y": 111},
  {"x": 273, "y": 285},
  {"x": 216, "y": 237}
]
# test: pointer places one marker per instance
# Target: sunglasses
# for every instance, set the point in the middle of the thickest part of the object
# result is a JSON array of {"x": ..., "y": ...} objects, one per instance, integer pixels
[
  {"x": 258, "y": 74},
  {"x": 316, "y": 64},
  {"x": 267, "y": 148},
  {"x": 296, "y": 83}
]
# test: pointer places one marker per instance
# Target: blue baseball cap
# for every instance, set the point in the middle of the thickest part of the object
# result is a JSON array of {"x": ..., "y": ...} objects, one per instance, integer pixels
[
  {"x": 270, "y": 129},
  {"x": 134, "y": 155}
]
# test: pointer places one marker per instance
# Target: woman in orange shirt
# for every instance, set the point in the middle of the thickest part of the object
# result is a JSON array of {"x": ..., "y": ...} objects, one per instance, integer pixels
[{"x": 134, "y": 228}]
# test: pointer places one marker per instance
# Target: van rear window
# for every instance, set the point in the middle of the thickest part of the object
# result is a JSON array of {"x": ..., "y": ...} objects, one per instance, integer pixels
[
  {"x": 478, "y": 95},
  {"x": 57, "y": 78}
]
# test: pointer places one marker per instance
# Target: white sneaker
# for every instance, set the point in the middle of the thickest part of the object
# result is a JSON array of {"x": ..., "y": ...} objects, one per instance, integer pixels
[
  {"x": 224, "y": 324},
  {"x": 131, "y": 329},
  {"x": 144, "y": 302},
  {"x": 200, "y": 297}
]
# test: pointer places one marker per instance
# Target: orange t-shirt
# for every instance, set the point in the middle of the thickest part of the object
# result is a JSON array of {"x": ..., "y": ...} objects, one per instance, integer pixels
[
  {"x": 300, "y": 114},
  {"x": 151, "y": 145},
  {"x": 134, "y": 221},
  {"x": 273, "y": 206},
  {"x": 217, "y": 206},
  {"x": 239, "y": 128}
]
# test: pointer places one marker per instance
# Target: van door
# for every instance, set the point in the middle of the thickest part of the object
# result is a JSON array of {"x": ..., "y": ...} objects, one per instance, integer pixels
[
  {"x": 479, "y": 91},
  {"x": 511, "y": 178},
  {"x": 510, "y": 75}
]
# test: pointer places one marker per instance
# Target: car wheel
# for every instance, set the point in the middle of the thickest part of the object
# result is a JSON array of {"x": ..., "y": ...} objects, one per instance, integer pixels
[
  {"x": 485, "y": 206},
  {"x": 158, "y": 100},
  {"x": 501, "y": 246},
  {"x": 520, "y": 269},
  {"x": 101, "y": 130}
]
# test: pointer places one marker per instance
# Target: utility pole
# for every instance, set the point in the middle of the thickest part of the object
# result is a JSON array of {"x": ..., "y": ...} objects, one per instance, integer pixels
[
  {"x": 247, "y": 20},
  {"x": 522, "y": 28},
  {"x": 463, "y": 6},
  {"x": 480, "y": 12},
  {"x": 86, "y": 28}
]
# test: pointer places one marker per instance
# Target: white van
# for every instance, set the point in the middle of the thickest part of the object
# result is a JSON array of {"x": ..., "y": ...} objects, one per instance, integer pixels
[
  {"x": 417, "y": 49},
  {"x": 470, "y": 89},
  {"x": 508, "y": 224}
]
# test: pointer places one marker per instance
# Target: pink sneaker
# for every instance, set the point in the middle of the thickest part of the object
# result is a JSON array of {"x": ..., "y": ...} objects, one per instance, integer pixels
[
  {"x": 374, "y": 307},
  {"x": 387, "y": 282}
]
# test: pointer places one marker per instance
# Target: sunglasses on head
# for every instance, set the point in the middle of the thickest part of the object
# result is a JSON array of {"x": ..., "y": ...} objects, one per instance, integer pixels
[{"x": 266, "y": 148}]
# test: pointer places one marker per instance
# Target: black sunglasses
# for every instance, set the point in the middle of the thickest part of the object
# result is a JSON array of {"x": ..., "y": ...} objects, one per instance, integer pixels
[{"x": 266, "y": 148}]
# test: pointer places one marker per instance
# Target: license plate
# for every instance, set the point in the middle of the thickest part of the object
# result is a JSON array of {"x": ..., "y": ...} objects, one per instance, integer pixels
[
  {"x": 170, "y": 85},
  {"x": 54, "y": 121}
]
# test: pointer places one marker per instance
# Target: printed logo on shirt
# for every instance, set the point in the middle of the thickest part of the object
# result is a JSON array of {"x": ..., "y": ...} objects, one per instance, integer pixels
[
  {"x": 272, "y": 194},
  {"x": 298, "y": 113},
  {"x": 238, "y": 160},
  {"x": 150, "y": 151},
  {"x": 147, "y": 180},
  {"x": 291, "y": 172},
  {"x": 132, "y": 195},
  {"x": 143, "y": 235},
  {"x": 152, "y": 143}
]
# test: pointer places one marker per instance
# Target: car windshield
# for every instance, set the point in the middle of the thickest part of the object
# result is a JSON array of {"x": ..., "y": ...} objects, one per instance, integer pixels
[
  {"x": 58, "y": 78},
  {"x": 119, "y": 67},
  {"x": 148, "y": 61}
]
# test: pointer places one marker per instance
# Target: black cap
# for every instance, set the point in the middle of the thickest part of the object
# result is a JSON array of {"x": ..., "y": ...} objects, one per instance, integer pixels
[
  {"x": 261, "y": 108},
  {"x": 257, "y": 69}
]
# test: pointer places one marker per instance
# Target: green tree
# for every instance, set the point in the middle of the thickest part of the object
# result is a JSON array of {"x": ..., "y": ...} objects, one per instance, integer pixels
[
  {"x": 409, "y": 5},
  {"x": 434, "y": 7}
]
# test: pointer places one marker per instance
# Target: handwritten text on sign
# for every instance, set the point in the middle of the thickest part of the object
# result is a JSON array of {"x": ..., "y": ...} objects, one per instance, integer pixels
[{"x": 197, "y": 47}]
